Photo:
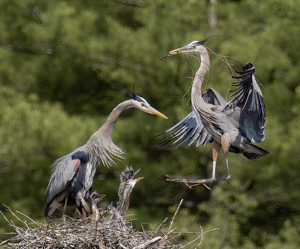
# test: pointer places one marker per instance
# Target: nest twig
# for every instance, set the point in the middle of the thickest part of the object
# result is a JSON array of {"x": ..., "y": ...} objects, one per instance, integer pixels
[{"x": 88, "y": 233}]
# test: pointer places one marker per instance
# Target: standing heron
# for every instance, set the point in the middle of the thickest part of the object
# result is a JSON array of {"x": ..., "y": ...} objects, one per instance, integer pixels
[
  {"x": 231, "y": 125},
  {"x": 72, "y": 175}
]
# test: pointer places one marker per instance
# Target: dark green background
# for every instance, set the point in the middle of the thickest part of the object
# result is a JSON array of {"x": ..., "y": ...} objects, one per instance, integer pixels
[{"x": 60, "y": 63}]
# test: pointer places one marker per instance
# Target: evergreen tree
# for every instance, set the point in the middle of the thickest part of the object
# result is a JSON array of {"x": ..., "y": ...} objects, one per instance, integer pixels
[{"x": 62, "y": 63}]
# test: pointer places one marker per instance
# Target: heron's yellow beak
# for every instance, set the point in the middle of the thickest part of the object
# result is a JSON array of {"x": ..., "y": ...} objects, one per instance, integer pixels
[
  {"x": 100, "y": 197},
  {"x": 176, "y": 51},
  {"x": 155, "y": 112},
  {"x": 138, "y": 179},
  {"x": 180, "y": 50}
]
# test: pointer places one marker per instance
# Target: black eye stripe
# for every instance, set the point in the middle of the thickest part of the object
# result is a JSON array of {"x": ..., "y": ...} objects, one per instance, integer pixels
[{"x": 139, "y": 99}]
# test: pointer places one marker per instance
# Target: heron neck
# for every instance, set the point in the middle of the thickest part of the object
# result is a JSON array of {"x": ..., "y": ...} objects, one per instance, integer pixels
[
  {"x": 107, "y": 128},
  {"x": 200, "y": 74},
  {"x": 100, "y": 145},
  {"x": 123, "y": 202},
  {"x": 95, "y": 211}
]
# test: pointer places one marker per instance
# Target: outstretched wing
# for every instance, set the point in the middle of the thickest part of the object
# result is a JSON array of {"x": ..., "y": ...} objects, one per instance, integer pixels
[
  {"x": 64, "y": 170},
  {"x": 191, "y": 127},
  {"x": 249, "y": 99}
]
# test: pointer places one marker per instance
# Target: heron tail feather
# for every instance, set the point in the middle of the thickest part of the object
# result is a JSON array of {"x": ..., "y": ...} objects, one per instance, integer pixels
[{"x": 254, "y": 152}]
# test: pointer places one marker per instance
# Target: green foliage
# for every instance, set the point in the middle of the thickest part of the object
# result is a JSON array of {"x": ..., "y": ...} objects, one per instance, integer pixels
[{"x": 62, "y": 63}]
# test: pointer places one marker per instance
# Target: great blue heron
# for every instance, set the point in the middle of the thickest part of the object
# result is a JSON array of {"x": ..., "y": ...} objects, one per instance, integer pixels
[
  {"x": 72, "y": 176},
  {"x": 95, "y": 198},
  {"x": 231, "y": 125}
]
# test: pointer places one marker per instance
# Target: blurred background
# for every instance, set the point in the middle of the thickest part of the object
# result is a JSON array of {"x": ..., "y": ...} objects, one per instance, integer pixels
[{"x": 60, "y": 62}]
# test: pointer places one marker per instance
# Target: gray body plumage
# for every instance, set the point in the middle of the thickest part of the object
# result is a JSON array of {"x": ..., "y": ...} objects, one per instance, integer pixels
[
  {"x": 72, "y": 177},
  {"x": 241, "y": 120},
  {"x": 80, "y": 180},
  {"x": 231, "y": 125}
]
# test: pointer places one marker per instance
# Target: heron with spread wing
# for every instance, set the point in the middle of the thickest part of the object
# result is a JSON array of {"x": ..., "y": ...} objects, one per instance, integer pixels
[
  {"x": 231, "y": 125},
  {"x": 72, "y": 176}
]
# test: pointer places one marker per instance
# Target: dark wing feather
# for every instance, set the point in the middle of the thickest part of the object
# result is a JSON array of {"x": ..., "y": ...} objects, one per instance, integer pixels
[
  {"x": 211, "y": 96},
  {"x": 64, "y": 170},
  {"x": 191, "y": 128},
  {"x": 249, "y": 99}
]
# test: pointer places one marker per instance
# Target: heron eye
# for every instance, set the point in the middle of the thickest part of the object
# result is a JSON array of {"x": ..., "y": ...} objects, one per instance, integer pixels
[
  {"x": 194, "y": 46},
  {"x": 142, "y": 104}
]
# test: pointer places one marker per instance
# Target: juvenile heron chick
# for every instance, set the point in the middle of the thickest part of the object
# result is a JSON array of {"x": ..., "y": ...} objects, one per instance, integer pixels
[
  {"x": 127, "y": 184},
  {"x": 95, "y": 198}
]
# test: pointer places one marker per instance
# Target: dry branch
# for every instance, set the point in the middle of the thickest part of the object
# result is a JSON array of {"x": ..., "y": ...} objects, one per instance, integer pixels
[{"x": 87, "y": 233}]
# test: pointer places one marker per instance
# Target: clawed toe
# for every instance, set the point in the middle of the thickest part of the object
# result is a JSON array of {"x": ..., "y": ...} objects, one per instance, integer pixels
[{"x": 191, "y": 182}]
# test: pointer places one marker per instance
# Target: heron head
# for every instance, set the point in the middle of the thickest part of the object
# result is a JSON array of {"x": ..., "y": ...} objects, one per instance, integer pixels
[
  {"x": 191, "y": 48},
  {"x": 128, "y": 174},
  {"x": 95, "y": 197},
  {"x": 141, "y": 104},
  {"x": 128, "y": 181}
]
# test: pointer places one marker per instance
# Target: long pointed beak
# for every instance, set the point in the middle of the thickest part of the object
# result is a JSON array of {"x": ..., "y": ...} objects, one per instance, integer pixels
[
  {"x": 179, "y": 50},
  {"x": 100, "y": 197},
  {"x": 135, "y": 173},
  {"x": 155, "y": 112},
  {"x": 176, "y": 51}
]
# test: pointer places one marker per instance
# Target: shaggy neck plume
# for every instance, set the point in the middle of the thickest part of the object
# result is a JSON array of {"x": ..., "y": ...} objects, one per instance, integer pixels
[{"x": 100, "y": 145}]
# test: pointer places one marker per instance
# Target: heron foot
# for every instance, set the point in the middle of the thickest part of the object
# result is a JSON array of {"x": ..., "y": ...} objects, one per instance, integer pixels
[
  {"x": 196, "y": 182},
  {"x": 191, "y": 182}
]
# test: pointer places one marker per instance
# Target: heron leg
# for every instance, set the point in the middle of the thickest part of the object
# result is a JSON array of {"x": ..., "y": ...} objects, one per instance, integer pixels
[
  {"x": 65, "y": 207},
  {"x": 215, "y": 150},
  {"x": 216, "y": 147},
  {"x": 225, "y": 146},
  {"x": 76, "y": 213},
  {"x": 85, "y": 209},
  {"x": 83, "y": 214}
]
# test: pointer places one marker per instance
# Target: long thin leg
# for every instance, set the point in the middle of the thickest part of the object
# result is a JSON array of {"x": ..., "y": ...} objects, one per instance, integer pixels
[
  {"x": 85, "y": 209},
  {"x": 65, "y": 207},
  {"x": 215, "y": 150},
  {"x": 83, "y": 213},
  {"x": 225, "y": 147},
  {"x": 76, "y": 213},
  {"x": 216, "y": 147}
]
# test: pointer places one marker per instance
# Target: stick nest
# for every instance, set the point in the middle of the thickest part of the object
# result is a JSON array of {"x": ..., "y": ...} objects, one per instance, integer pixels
[{"x": 111, "y": 231}]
